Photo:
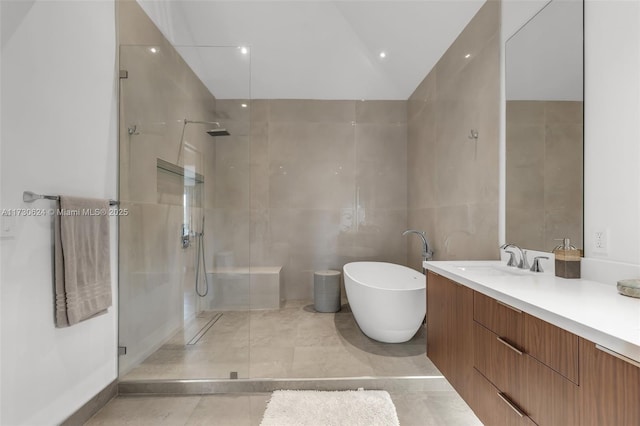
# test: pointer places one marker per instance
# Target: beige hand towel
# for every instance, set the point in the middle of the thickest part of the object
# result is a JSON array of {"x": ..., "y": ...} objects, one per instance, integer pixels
[{"x": 82, "y": 260}]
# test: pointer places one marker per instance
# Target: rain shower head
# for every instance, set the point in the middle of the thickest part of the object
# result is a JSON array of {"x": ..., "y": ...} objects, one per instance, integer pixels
[{"x": 218, "y": 132}]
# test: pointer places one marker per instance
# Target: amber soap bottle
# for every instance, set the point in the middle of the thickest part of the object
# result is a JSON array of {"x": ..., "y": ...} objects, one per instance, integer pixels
[{"x": 567, "y": 260}]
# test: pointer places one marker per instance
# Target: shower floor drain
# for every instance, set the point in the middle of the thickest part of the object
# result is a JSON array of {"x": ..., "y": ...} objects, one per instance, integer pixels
[{"x": 204, "y": 329}]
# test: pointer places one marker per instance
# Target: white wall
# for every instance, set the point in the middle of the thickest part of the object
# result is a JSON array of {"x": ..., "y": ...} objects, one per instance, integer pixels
[
  {"x": 58, "y": 135},
  {"x": 612, "y": 140}
]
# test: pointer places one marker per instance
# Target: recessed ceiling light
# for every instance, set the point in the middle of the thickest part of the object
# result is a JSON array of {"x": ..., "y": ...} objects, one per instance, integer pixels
[
  {"x": 244, "y": 50},
  {"x": 153, "y": 50},
  {"x": 243, "y": 105},
  {"x": 383, "y": 55},
  {"x": 467, "y": 56}
]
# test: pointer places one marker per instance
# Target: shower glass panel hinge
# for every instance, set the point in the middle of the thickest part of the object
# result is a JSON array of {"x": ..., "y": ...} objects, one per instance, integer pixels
[
  {"x": 122, "y": 350},
  {"x": 124, "y": 74}
]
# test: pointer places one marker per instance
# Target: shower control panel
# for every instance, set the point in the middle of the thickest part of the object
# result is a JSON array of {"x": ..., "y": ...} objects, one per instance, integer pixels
[{"x": 185, "y": 236}]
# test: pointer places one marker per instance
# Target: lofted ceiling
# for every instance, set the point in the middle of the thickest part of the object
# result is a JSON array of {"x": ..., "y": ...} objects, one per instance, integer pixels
[{"x": 311, "y": 49}]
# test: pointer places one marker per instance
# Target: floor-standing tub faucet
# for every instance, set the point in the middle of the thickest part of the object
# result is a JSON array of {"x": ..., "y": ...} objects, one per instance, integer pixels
[{"x": 427, "y": 254}]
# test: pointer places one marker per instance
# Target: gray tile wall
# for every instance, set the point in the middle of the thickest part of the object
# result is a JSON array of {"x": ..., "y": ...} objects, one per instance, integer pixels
[
  {"x": 452, "y": 180},
  {"x": 544, "y": 173},
  {"x": 310, "y": 163}
]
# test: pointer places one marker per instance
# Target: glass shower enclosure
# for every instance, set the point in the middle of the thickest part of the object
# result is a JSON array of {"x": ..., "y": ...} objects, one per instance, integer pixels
[{"x": 184, "y": 246}]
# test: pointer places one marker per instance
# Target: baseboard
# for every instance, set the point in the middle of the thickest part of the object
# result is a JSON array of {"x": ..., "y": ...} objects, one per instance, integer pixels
[{"x": 92, "y": 406}]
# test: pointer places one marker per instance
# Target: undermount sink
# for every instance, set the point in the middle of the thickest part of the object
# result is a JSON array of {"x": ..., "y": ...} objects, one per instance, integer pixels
[{"x": 492, "y": 270}]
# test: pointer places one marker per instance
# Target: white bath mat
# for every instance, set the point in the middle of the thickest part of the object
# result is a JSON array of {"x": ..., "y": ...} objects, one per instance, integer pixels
[{"x": 335, "y": 408}]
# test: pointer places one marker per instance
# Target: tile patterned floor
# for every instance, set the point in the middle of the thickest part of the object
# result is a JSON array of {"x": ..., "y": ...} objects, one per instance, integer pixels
[
  {"x": 293, "y": 342},
  {"x": 413, "y": 408}
]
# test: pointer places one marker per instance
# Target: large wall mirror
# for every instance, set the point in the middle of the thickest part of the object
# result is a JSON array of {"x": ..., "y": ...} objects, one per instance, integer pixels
[{"x": 544, "y": 128}]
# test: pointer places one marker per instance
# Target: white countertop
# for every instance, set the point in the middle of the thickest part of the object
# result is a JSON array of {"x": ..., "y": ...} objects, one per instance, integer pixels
[{"x": 589, "y": 309}]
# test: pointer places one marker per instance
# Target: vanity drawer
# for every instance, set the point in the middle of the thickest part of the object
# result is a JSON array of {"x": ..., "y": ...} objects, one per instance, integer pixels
[
  {"x": 551, "y": 399},
  {"x": 493, "y": 407},
  {"x": 504, "y": 320},
  {"x": 500, "y": 362},
  {"x": 544, "y": 395},
  {"x": 553, "y": 346}
]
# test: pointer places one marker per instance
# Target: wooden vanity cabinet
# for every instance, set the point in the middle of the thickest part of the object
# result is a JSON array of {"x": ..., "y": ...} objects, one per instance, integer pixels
[
  {"x": 450, "y": 331},
  {"x": 610, "y": 388},
  {"x": 515, "y": 369}
]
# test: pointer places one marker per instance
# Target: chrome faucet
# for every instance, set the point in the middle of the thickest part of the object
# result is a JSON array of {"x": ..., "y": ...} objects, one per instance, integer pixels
[
  {"x": 427, "y": 254},
  {"x": 536, "y": 267},
  {"x": 523, "y": 263}
]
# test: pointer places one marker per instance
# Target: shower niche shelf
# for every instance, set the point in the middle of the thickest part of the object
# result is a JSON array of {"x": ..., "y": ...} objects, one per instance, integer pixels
[
  {"x": 177, "y": 185},
  {"x": 189, "y": 175}
]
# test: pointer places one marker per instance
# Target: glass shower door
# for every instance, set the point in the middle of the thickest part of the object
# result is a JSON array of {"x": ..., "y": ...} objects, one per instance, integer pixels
[{"x": 183, "y": 296}]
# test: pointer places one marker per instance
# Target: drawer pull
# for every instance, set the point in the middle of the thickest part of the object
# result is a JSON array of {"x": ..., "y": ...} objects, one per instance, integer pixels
[
  {"x": 513, "y": 406},
  {"x": 509, "y": 345},
  {"x": 619, "y": 356},
  {"x": 509, "y": 306}
]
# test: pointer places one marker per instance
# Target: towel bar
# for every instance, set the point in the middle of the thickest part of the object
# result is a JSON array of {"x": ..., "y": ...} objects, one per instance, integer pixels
[{"x": 30, "y": 197}]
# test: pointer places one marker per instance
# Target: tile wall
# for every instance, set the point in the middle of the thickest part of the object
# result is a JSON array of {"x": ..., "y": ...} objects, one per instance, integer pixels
[
  {"x": 326, "y": 183},
  {"x": 452, "y": 179},
  {"x": 544, "y": 173}
]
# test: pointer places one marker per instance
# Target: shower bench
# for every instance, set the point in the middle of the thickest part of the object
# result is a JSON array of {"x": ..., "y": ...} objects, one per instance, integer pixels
[{"x": 245, "y": 288}]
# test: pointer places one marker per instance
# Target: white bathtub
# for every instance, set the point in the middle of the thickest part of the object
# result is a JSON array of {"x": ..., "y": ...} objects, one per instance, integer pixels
[{"x": 388, "y": 301}]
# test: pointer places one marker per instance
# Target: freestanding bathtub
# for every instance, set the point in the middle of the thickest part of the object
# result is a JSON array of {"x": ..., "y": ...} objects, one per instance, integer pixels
[{"x": 388, "y": 301}]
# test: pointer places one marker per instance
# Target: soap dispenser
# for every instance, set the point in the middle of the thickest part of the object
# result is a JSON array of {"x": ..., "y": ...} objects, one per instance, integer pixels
[{"x": 567, "y": 260}]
